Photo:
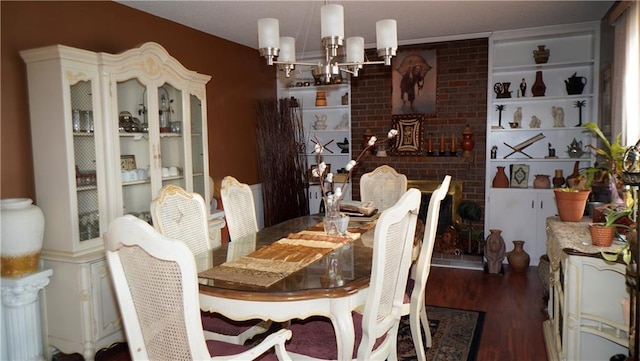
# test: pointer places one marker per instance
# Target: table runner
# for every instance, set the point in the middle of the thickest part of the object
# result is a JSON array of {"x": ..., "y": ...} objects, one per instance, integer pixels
[{"x": 274, "y": 262}]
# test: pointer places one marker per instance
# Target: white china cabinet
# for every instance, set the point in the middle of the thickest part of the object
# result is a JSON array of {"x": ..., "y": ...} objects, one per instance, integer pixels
[
  {"x": 326, "y": 119},
  {"x": 108, "y": 132},
  {"x": 541, "y": 141}
]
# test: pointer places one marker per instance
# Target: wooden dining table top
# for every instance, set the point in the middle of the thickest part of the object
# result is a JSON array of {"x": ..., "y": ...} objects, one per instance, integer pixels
[{"x": 343, "y": 271}]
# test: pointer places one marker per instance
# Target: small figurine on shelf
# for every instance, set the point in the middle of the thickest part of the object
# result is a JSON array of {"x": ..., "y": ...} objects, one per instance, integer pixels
[
  {"x": 517, "y": 117},
  {"x": 494, "y": 152},
  {"x": 558, "y": 116},
  {"x": 552, "y": 152},
  {"x": 535, "y": 122},
  {"x": 523, "y": 89},
  {"x": 579, "y": 104},
  {"x": 499, "y": 108}
]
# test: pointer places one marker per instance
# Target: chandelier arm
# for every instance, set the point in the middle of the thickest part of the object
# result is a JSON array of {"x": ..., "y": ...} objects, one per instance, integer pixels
[{"x": 294, "y": 63}]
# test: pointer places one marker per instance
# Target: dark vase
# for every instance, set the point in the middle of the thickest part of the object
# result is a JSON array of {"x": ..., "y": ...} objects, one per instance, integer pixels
[
  {"x": 518, "y": 258},
  {"x": 558, "y": 180},
  {"x": 494, "y": 251},
  {"x": 500, "y": 180},
  {"x": 538, "y": 87},
  {"x": 572, "y": 178}
]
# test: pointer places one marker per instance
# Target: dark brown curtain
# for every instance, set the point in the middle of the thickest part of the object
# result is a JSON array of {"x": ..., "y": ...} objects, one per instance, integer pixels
[{"x": 282, "y": 165}]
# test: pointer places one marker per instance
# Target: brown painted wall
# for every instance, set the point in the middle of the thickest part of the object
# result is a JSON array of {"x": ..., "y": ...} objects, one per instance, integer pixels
[
  {"x": 461, "y": 100},
  {"x": 239, "y": 77}
]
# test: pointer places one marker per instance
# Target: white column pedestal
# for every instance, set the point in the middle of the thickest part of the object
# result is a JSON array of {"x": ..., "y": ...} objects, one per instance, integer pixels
[{"x": 21, "y": 322}]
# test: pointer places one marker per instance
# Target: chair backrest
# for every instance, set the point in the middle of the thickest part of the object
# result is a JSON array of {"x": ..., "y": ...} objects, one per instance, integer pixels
[
  {"x": 156, "y": 285},
  {"x": 184, "y": 216},
  {"x": 393, "y": 240},
  {"x": 384, "y": 186},
  {"x": 423, "y": 265},
  {"x": 239, "y": 208}
]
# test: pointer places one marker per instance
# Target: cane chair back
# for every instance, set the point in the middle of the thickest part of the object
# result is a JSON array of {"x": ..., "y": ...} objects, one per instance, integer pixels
[
  {"x": 239, "y": 208},
  {"x": 384, "y": 186},
  {"x": 414, "y": 305},
  {"x": 156, "y": 284},
  {"x": 377, "y": 327},
  {"x": 181, "y": 215}
]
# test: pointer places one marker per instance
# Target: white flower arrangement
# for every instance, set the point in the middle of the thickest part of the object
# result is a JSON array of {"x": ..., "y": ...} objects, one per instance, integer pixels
[{"x": 319, "y": 170}]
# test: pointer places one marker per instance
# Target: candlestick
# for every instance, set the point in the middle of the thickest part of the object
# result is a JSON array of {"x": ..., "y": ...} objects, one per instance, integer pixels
[
  {"x": 453, "y": 143},
  {"x": 442, "y": 146}
]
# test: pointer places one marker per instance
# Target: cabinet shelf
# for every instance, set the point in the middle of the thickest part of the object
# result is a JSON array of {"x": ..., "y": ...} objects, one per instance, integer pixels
[
  {"x": 548, "y": 66},
  {"x": 520, "y": 160},
  {"x": 553, "y": 129},
  {"x": 529, "y": 99},
  {"x": 297, "y": 89},
  {"x": 328, "y": 107}
]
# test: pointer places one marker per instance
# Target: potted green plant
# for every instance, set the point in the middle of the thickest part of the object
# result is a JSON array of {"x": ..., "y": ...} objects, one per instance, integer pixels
[
  {"x": 470, "y": 212},
  {"x": 602, "y": 233}
]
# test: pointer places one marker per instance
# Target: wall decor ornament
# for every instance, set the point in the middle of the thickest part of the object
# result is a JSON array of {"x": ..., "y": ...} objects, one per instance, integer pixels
[
  {"x": 409, "y": 139},
  {"x": 413, "y": 80},
  {"x": 519, "y": 175}
]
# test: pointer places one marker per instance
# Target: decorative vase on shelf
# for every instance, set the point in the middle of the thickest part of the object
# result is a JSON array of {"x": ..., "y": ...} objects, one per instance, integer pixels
[
  {"x": 518, "y": 258},
  {"x": 572, "y": 178},
  {"x": 541, "y": 55},
  {"x": 21, "y": 239},
  {"x": 542, "y": 181},
  {"x": 494, "y": 251},
  {"x": 500, "y": 180},
  {"x": 321, "y": 99},
  {"x": 538, "y": 89},
  {"x": 558, "y": 179}
]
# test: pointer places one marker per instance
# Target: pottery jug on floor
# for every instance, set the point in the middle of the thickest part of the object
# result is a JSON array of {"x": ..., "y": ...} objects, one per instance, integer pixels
[{"x": 518, "y": 258}]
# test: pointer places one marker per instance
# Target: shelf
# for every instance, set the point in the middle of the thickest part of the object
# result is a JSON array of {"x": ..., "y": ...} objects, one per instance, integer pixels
[
  {"x": 316, "y": 87},
  {"x": 553, "y": 129},
  {"x": 547, "y": 66},
  {"x": 330, "y": 130},
  {"x": 83, "y": 134},
  {"x": 520, "y": 160},
  {"x": 541, "y": 99},
  {"x": 328, "y": 107},
  {"x": 136, "y": 182}
]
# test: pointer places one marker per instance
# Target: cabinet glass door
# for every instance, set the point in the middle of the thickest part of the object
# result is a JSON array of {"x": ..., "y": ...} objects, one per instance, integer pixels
[
  {"x": 198, "y": 147},
  {"x": 172, "y": 151},
  {"x": 135, "y": 128},
  {"x": 84, "y": 149}
]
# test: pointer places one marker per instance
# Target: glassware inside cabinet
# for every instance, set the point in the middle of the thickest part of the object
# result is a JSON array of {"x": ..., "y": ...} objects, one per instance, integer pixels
[
  {"x": 197, "y": 147},
  {"x": 172, "y": 152},
  {"x": 84, "y": 149},
  {"x": 136, "y": 149}
]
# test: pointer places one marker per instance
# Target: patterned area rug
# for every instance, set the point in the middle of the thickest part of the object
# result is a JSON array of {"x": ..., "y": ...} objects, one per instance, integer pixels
[{"x": 455, "y": 335}]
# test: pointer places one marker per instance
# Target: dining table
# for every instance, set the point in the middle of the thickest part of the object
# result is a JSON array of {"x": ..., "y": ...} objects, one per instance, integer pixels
[{"x": 332, "y": 282}]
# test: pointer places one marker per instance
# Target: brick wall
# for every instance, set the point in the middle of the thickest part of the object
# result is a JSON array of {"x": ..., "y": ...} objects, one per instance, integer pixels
[{"x": 461, "y": 100}]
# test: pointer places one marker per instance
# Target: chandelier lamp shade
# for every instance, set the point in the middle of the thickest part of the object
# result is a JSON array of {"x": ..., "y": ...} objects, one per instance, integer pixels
[{"x": 282, "y": 51}]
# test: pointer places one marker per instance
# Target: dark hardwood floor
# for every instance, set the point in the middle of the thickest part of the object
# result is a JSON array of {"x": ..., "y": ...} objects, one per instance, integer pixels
[{"x": 513, "y": 305}]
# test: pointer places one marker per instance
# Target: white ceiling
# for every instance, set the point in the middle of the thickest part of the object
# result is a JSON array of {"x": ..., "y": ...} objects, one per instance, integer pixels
[{"x": 426, "y": 21}]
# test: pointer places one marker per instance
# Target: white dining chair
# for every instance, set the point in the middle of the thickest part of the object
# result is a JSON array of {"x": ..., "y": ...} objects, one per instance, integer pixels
[
  {"x": 239, "y": 208},
  {"x": 414, "y": 304},
  {"x": 384, "y": 186},
  {"x": 376, "y": 327},
  {"x": 156, "y": 285},
  {"x": 181, "y": 215}
]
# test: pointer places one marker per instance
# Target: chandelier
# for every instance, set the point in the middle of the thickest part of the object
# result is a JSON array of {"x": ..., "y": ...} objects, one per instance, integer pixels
[{"x": 281, "y": 50}]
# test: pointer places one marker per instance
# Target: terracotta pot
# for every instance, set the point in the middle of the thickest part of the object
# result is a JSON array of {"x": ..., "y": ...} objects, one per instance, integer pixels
[
  {"x": 542, "y": 181},
  {"x": 571, "y": 205},
  {"x": 601, "y": 235},
  {"x": 500, "y": 180},
  {"x": 518, "y": 258},
  {"x": 494, "y": 251}
]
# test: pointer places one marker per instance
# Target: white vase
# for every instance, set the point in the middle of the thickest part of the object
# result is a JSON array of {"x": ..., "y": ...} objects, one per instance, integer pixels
[{"x": 22, "y": 232}]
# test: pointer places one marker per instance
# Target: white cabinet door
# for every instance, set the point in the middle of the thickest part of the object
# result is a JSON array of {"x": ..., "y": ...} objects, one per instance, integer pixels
[{"x": 521, "y": 215}]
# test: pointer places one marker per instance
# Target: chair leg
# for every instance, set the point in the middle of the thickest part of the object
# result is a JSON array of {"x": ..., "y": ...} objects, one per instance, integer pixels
[
  {"x": 425, "y": 325},
  {"x": 416, "y": 335}
]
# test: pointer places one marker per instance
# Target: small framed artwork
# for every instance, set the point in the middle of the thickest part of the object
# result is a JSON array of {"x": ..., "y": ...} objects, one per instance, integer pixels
[
  {"x": 410, "y": 128},
  {"x": 128, "y": 162},
  {"x": 519, "y": 176}
]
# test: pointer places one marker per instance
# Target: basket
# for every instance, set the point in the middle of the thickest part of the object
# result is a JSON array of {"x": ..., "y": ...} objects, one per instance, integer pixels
[{"x": 602, "y": 236}]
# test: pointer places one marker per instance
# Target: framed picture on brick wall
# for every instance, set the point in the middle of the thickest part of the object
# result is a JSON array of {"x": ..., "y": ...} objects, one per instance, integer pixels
[
  {"x": 410, "y": 133},
  {"x": 413, "y": 79}
]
